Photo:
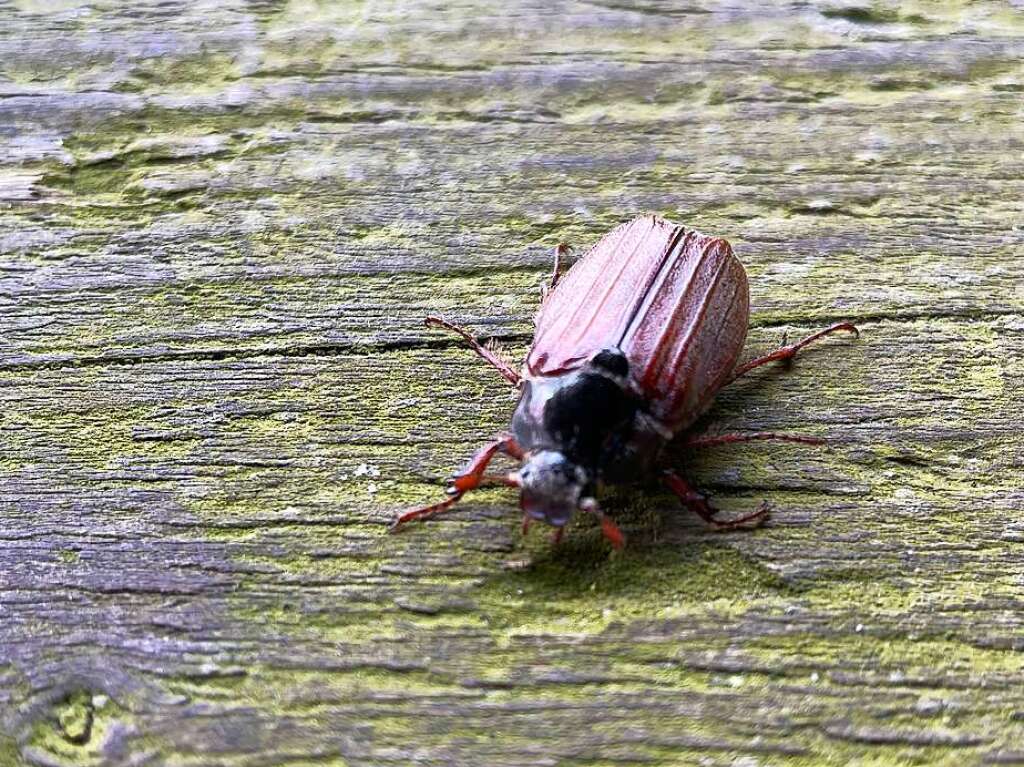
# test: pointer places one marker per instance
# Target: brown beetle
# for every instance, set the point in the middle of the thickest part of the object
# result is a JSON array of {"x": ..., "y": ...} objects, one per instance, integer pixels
[{"x": 630, "y": 348}]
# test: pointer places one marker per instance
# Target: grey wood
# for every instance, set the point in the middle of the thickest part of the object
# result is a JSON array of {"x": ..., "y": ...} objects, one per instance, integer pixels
[{"x": 220, "y": 227}]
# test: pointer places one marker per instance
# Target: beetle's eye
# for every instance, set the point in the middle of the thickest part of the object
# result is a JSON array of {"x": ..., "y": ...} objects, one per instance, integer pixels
[{"x": 613, "y": 361}]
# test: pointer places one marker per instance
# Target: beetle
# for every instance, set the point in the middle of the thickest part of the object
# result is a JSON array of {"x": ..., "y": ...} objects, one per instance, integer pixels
[{"x": 630, "y": 347}]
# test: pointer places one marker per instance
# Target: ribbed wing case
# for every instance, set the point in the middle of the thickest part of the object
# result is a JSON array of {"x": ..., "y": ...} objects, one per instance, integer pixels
[{"x": 674, "y": 301}]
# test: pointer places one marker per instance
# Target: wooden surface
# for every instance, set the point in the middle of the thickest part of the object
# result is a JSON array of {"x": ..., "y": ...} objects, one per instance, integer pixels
[{"x": 220, "y": 226}]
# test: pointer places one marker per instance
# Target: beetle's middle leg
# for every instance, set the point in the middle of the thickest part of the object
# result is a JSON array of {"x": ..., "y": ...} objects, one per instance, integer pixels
[
  {"x": 789, "y": 351},
  {"x": 468, "y": 479},
  {"x": 698, "y": 504},
  {"x": 487, "y": 354},
  {"x": 710, "y": 440}
]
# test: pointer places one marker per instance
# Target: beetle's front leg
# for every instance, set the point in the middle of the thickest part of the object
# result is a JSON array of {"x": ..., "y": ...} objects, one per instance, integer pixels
[
  {"x": 468, "y": 479},
  {"x": 698, "y": 504}
]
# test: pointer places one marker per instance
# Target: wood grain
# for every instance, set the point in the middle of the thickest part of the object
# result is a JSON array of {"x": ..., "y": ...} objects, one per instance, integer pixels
[{"x": 220, "y": 227}]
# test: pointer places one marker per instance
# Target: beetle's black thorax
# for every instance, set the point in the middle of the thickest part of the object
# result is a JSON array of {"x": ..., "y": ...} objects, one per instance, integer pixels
[{"x": 590, "y": 416}]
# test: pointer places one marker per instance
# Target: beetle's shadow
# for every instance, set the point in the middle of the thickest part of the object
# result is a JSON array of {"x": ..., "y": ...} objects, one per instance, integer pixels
[{"x": 667, "y": 558}]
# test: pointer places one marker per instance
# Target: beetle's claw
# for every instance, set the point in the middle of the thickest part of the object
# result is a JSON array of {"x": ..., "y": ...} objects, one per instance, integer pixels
[
  {"x": 763, "y": 513},
  {"x": 452, "y": 484},
  {"x": 748, "y": 522},
  {"x": 759, "y": 517}
]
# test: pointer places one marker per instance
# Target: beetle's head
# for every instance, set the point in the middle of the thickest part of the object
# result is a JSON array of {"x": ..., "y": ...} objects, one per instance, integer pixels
[
  {"x": 552, "y": 490},
  {"x": 551, "y": 487}
]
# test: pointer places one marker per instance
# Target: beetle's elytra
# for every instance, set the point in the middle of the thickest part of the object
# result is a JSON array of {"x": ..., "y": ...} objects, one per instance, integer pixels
[{"x": 630, "y": 347}]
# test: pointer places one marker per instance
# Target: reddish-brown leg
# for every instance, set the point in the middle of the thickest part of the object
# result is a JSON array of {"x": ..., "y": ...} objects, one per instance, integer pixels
[
  {"x": 556, "y": 270},
  {"x": 497, "y": 480},
  {"x": 469, "y": 479},
  {"x": 556, "y": 537},
  {"x": 608, "y": 527},
  {"x": 729, "y": 439},
  {"x": 698, "y": 504},
  {"x": 424, "y": 511},
  {"x": 493, "y": 359},
  {"x": 789, "y": 351}
]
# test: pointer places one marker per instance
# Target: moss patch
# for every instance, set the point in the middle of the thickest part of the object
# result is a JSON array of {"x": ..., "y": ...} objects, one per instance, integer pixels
[
  {"x": 580, "y": 586},
  {"x": 75, "y": 730}
]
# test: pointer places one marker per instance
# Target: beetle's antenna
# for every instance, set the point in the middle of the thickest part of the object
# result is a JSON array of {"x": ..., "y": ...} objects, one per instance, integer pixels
[{"x": 610, "y": 529}]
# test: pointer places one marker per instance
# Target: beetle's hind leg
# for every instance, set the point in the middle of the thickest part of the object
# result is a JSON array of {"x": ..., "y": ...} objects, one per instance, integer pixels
[
  {"x": 489, "y": 355},
  {"x": 698, "y": 504},
  {"x": 710, "y": 440},
  {"x": 789, "y": 351}
]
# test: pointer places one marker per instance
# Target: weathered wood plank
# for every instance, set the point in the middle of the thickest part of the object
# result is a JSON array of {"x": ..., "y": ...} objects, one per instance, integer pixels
[{"x": 220, "y": 226}]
